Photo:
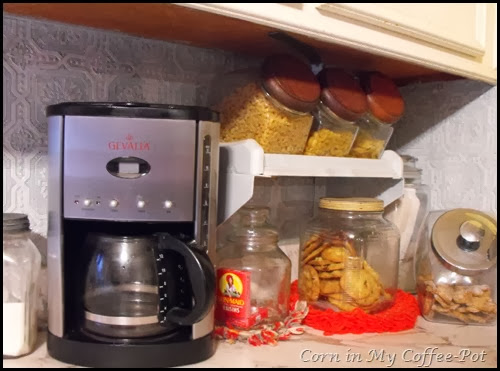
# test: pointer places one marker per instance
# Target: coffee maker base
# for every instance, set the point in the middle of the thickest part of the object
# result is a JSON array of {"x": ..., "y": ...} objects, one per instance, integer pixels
[{"x": 118, "y": 355}]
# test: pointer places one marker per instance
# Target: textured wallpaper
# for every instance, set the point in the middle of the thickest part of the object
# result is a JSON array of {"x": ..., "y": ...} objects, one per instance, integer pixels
[{"x": 451, "y": 127}]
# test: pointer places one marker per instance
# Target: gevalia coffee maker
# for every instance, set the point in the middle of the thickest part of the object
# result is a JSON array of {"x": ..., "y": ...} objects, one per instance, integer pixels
[{"x": 132, "y": 214}]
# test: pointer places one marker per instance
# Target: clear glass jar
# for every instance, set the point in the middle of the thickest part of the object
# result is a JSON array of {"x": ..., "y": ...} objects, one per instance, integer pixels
[
  {"x": 253, "y": 274},
  {"x": 386, "y": 106},
  {"x": 342, "y": 103},
  {"x": 349, "y": 256},
  {"x": 271, "y": 105},
  {"x": 408, "y": 214},
  {"x": 372, "y": 138},
  {"x": 21, "y": 268},
  {"x": 330, "y": 134},
  {"x": 456, "y": 267}
]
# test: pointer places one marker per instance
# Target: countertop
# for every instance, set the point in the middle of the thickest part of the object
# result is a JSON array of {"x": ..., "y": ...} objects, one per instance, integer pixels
[{"x": 437, "y": 345}]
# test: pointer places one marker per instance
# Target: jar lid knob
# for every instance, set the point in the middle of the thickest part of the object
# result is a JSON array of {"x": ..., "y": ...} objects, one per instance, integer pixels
[{"x": 471, "y": 231}]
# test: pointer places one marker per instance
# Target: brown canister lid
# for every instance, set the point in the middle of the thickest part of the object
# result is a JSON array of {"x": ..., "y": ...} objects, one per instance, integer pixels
[
  {"x": 291, "y": 82},
  {"x": 351, "y": 204},
  {"x": 466, "y": 239},
  {"x": 385, "y": 102},
  {"x": 342, "y": 94}
]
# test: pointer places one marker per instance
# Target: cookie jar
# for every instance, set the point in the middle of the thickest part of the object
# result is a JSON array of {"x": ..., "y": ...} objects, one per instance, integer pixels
[
  {"x": 342, "y": 103},
  {"x": 386, "y": 106},
  {"x": 253, "y": 274},
  {"x": 349, "y": 256},
  {"x": 271, "y": 104},
  {"x": 456, "y": 269}
]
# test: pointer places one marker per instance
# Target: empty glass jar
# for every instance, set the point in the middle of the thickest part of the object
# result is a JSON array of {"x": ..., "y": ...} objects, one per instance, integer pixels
[
  {"x": 21, "y": 268},
  {"x": 457, "y": 267},
  {"x": 253, "y": 274},
  {"x": 349, "y": 256},
  {"x": 408, "y": 213}
]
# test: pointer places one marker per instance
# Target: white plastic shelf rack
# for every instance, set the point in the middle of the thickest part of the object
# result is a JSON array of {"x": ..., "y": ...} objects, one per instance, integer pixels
[{"x": 242, "y": 161}]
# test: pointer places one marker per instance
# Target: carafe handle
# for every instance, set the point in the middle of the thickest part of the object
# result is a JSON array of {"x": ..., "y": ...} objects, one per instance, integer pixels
[{"x": 201, "y": 275}]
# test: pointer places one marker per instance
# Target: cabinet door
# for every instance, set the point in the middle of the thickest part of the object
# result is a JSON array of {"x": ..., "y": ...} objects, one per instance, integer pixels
[{"x": 459, "y": 27}]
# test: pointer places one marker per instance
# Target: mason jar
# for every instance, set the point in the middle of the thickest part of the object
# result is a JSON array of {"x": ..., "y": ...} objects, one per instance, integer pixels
[
  {"x": 349, "y": 256},
  {"x": 21, "y": 268},
  {"x": 271, "y": 104},
  {"x": 386, "y": 106},
  {"x": 253, "y": 274},
  {"x": 456, "y": 267},
  {"x": 342, "y": 103}
]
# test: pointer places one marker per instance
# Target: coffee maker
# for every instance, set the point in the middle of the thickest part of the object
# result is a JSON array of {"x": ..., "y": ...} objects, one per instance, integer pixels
[{"x": 131, "y": 235}]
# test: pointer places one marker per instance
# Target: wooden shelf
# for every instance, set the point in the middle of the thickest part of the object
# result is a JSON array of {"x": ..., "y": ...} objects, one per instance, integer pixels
[{"x": 204, "y": 29}]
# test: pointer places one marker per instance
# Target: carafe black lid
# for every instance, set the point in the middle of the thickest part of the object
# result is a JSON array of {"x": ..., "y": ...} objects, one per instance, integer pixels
[{"x": 131, "y": 109}]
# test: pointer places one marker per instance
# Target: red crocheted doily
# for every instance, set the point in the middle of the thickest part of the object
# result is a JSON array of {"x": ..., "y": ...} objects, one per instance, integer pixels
[{"x": 401, "y": 316}]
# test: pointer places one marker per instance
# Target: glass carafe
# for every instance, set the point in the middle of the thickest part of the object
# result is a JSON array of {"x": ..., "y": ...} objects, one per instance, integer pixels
[{"x": 142, "y": 286}]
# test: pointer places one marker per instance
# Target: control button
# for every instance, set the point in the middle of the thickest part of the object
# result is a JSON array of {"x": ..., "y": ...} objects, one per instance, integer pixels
[
  {"x": 168, "y": 204},
  {"x": 141, "y": 204},
  {"x": 113, "y": 203},
  {"x": 77, "y": 202},
  {"x": 87, "y": 202}
]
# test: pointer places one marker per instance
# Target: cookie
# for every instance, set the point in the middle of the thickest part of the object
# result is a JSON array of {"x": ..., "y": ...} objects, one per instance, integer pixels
[
  {"x": 332, "y": 274},
  {"x": 309, "y": 284},
  {"x": 358, "y": 284},
  {"x": 315, "y": 253},
  {"x": 342, "y": 305},
  {"x": 329, "y": 286},
  {"x": 326, "y": 265},
  {"x": 445, "y": 292},
  {"x": 371, "y": 271},
  {"x": 334, "y": 254}
]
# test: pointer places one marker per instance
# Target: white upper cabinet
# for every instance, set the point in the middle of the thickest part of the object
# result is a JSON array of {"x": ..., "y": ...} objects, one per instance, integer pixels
[
  {"x": 459, "y": 39},
  {"x": 458, "y": 27}
]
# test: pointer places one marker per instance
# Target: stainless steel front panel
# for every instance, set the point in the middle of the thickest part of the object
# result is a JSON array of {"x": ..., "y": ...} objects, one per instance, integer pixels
[
  {"x": 55, "y": 232},
  {"x": 165, "y": 193}
]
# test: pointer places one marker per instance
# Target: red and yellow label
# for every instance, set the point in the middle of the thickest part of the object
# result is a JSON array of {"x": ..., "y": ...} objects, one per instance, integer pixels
[{"x": 233, "y": 297}]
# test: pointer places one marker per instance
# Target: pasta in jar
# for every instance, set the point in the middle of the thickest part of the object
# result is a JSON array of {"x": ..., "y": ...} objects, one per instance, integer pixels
[
  {"x": 342, "y": 102},
  {"x": 272, "y": 107}
]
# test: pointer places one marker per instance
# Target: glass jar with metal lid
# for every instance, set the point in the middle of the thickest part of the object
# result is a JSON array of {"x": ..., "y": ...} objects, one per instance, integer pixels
[
  {"x": 386, "y": 106},
  {"x": 349, "y": 256},
  {"x": 271, "y": 104},
  {"x": 21, "y": 268},
  {"x": 342, "y": 103},
  {"x": 456, "y": 268}
]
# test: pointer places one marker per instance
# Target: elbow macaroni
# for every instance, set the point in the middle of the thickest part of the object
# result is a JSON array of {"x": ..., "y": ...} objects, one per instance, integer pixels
[{"x": 248, "y": 114}]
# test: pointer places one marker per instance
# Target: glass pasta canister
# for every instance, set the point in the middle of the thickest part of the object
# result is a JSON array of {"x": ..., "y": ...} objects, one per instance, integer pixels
[
  {"x": 456, "y": 267},
  {"x": 342, "y": 103},
  {"x": 386, "y": 106},
  {"x": 349, "y": 256},
  {"x": 271, "y": 105}
]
